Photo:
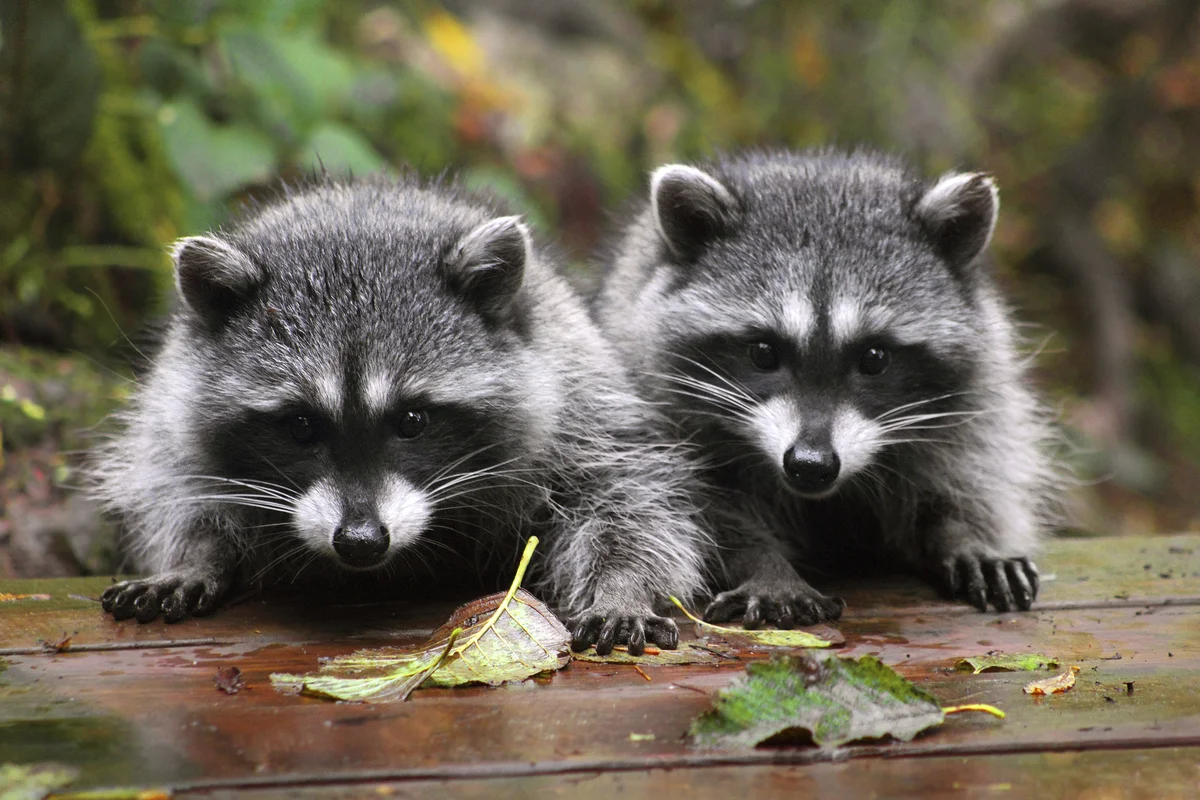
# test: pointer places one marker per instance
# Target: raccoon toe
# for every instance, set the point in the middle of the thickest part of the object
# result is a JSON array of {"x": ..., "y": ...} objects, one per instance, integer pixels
[
  {"x": 1023, "y": 574},
  {"x": 181, "y": 603},
  {"x": 606, "y": 631},
  {"x": 1012, "y": 584},
  {"x": 783, "y": 608},
  {"x": 726, "y": 606},
  {"x": 816, "y": 609},
  {"x": 615, "y": 631},
  {"x": 663, "y": 632},
  {"x": 148, "y": 605},
  {"x": 120, "y": 598},
  {"x": 584, "y": 632},
  {"x": 1006, "y": 584}
]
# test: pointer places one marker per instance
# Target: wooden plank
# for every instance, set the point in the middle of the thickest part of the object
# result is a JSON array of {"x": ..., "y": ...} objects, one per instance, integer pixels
[
  {"x": 1076, "y": 573},
  {"x": 1156, "y": 774},
  {"x": 1081, "y": 573},
  {"x": 580, "y": 718},
  {"x": 148, "y": 710}
]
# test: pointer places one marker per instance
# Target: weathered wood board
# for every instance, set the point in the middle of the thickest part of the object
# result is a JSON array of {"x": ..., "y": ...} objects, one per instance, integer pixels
[{"x": 135, "y": 704}]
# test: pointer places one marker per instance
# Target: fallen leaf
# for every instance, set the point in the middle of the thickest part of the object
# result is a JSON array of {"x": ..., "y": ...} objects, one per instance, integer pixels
[
  {"x": 1006, "y": 662},
  {"x": 33, "y": 781},
  {"x": 60, "y": 645},
  {"x": 1059, "y": 683},
  {"x": 773, "y": 638},
  {"x": 229, "y": 680},
  {"x": 686, "y": 654},
  {"x": 502, "y": 637},
  {"x": 641, "y": 737},
  {"x": 9, "y": 597},
  {"x": 815, "y": 697}
]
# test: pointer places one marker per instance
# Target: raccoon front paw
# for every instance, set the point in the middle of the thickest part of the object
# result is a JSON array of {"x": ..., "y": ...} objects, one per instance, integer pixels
[
  {"x": 174, "y": 595},
  {"x": 782, "y": 604},
  {"x": 606, "y": 629},
  {"x": 1006, "y": 583}
]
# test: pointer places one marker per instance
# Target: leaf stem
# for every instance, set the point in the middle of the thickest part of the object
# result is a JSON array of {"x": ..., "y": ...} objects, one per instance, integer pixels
[
  {"x": 697, "y": 620},
  {"x": 995, "y": 712},
  {"x": 526, "y": 557},
  {"x": 454, "y": 634}
]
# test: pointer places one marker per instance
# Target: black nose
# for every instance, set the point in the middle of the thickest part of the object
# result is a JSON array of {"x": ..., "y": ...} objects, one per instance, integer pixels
[
  {"x": 361, "y": 544},
  {"x": 811, "y": 470}
]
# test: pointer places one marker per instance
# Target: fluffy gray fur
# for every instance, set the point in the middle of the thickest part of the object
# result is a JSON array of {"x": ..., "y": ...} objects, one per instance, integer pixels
[
  {"x": 273, "y": 435},
  {"x": 825, "y": 330}
]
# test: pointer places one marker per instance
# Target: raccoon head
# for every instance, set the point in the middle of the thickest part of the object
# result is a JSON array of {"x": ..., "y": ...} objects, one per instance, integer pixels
[
  {"x": 816, "y": 313},
  {"x": 362, "y": 381}
]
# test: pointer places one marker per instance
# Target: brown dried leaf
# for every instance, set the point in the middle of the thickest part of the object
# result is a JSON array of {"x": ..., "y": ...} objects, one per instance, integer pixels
[
  {"x": 1059, "y": 683},
  {"x": 229, "y": 680}
]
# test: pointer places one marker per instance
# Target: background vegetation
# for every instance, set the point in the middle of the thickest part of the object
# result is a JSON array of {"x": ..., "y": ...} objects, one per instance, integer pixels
[{"x": 127, "y": 123}]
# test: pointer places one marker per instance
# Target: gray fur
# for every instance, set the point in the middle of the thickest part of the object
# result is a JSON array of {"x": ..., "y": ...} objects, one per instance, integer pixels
[
  {"x": 945, "y": 461},
  {"x": 351, "y": 304}
]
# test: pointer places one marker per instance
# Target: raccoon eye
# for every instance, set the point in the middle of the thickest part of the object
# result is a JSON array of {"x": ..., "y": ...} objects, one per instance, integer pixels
[
  {"x": 412, "y": 424},
  {"x": 302, "y": 429},
  {"x": 764, "y": 356},
  {"x": 874, "y": 361}
]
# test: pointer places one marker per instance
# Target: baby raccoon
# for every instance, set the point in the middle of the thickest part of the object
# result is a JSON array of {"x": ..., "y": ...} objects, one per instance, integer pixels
[
  {"x": 825, "y": 329},
  {"x": 361, "y": 375}
]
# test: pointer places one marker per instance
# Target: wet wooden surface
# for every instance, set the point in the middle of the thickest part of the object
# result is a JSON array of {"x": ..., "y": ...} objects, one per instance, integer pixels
[{"x": 135, "y": 705}]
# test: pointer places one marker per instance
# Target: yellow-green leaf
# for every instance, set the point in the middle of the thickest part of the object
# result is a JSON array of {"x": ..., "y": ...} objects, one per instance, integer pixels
[
  {"x": 772, "y": 638},
  {"x": 1006, "y": 662},
  {"x": 498, "y": 638}
]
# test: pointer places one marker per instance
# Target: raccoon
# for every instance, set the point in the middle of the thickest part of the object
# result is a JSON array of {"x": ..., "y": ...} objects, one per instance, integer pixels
[
  {"x": 361, "y": 376},
  {"x": 825, "y": 329}
]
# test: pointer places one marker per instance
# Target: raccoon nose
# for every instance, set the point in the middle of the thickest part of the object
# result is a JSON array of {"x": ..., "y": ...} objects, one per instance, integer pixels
[
  {"x": 361, "y": 544},
  {"x": 811, "y": 470}
]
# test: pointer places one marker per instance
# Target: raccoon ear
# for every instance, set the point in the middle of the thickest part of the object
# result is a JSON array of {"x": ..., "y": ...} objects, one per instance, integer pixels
[
  {"x": 690, "y": 207},
  {"x": 959, "y": 212},
  {"x": 212, "y": 276},
  {"x": 488, "y": 264}
]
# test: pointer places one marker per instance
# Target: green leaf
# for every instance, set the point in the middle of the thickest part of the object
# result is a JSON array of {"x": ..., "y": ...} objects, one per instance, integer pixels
[
  {"x": 1006, "y": 662},
  {"x": 773, "y": 638},
  {"x": 33, "y": 781},
  {"x": 341, "y": 151},
  {"x": 291, "y": 81},
  {"x": 50, "y": 83},
  {"x": 502, "y": 637},
  {"x": 213, "y": 160},
  {"x": 818, "y": 697}
]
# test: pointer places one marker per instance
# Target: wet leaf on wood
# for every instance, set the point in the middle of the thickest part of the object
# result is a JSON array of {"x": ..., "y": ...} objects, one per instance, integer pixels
[
  {"x": 773, "y": 638},
  {"x": 34, "y": 781},
  {"x": 1059, "y": 683},
  {"x": 1006, "y": 662},
  {"x": 818, "y": 698},
  {"x": 502, "y": 637},
  {"x": 229, "y": 680},
  {"x": 60, "y": 645}
]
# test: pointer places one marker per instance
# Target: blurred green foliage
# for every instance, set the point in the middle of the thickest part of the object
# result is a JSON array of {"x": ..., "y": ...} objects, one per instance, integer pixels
[{"x": 127, "y": 123}]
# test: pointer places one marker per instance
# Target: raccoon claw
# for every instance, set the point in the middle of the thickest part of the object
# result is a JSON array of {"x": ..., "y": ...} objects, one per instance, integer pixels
[
  {"x": 175, "y": 597},
  {"x": 787, "y": 608},
  {"x": 606, "y": 631},
  {"x": 1008, "y": 584}
]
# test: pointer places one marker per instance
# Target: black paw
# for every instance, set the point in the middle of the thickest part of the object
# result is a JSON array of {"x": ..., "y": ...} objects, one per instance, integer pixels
[
  {"x": 175, "y": 596},
  {"x": 1007, "y": 583},
  {"x": 607, "y": 630},
  {"x": 784, "y": 605}
]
